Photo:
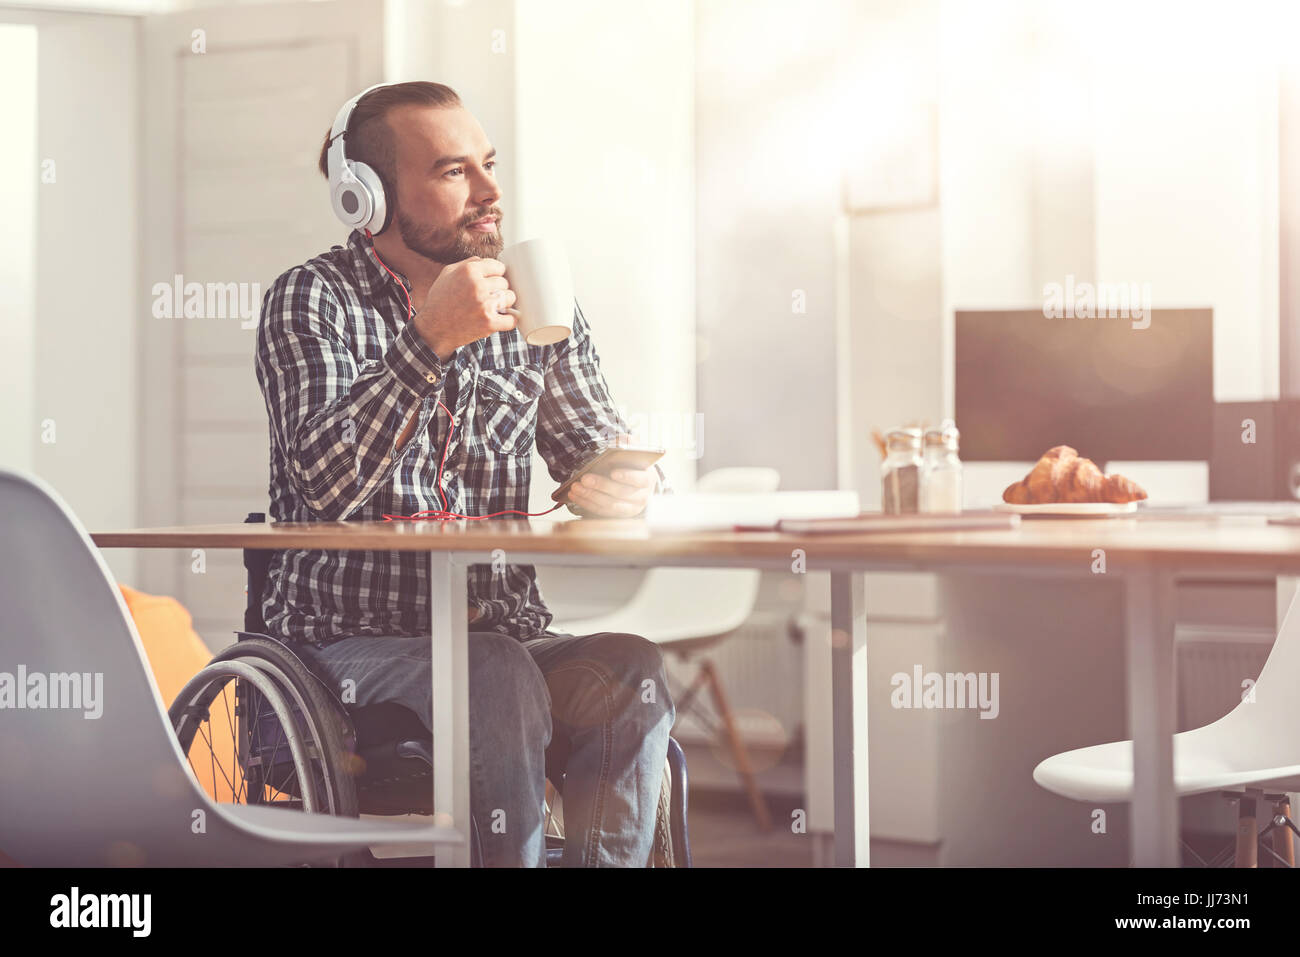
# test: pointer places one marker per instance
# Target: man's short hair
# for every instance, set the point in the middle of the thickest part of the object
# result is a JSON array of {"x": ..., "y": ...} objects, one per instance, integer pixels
[{"x": 370, "y": 137}]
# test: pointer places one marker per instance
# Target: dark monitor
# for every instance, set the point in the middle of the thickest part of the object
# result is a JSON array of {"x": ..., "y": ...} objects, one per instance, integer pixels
[{"x": 1026, "y": 383}]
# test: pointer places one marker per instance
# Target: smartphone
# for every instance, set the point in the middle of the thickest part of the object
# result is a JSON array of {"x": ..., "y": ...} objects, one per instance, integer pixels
[{"x": 610, "y": 460}]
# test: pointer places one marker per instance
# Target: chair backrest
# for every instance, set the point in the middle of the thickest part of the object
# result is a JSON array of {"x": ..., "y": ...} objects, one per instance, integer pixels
[
  {"x": 1257, "y": 731},
  {"x": 90, "y": 771},
  {"x": 699, "y": 602}
]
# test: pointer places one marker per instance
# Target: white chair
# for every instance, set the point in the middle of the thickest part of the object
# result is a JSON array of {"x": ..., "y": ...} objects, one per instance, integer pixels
[
  {"x": 78, "y": 790},
  {"x": 1251, "y": 749},
  {"x": 689, "y": 610}
]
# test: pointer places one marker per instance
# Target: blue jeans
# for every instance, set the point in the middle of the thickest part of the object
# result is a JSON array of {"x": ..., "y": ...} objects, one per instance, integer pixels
[{"x": 594, "y": 708}]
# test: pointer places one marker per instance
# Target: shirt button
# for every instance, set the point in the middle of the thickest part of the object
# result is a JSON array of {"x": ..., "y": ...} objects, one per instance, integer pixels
[
  {"x": 518, "y": 394},
  {"x": 431, "y": 377}
]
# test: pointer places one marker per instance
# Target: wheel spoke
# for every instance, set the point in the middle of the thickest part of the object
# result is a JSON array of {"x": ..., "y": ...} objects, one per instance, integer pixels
[
  {"x": 230, "y": 719},
  {"x": 280, "y": 738},
  {"x": 238, "y": 770},
  {"x": 267, "y": 745},
  {"x": 215, "y": 763}
]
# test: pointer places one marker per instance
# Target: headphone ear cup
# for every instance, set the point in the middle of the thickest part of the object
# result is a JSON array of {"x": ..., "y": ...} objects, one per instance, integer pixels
[
  {"x": 351, "y": 198},
  {"x": 384, "y": 209},
  {"x": 378, "y": 209}
]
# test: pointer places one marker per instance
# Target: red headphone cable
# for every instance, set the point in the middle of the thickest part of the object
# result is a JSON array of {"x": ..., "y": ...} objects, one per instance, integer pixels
[{"x": 439, "y": 514}]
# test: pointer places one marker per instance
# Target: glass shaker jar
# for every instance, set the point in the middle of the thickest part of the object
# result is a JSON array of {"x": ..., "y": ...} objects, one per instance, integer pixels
[
  {"x": 941, "y": 470},
  {"x": 900, "y": 474}
]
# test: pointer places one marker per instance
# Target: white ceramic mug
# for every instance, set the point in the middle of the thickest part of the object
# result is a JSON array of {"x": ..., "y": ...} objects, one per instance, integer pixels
[{"x": 538, "y": 273}]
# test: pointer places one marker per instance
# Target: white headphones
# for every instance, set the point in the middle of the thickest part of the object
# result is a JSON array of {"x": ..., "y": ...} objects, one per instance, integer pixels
[{"x": 356, "y": 191}]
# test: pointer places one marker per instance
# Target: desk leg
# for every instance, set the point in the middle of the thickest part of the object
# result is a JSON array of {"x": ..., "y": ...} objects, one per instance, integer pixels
[
  {"x": 450, "y": 638},
  {"x": 1149, "y": 621},
  {"x": 849, "y": 709}
]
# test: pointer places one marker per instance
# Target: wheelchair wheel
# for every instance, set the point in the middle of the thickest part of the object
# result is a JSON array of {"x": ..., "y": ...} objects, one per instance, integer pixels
[
  {"x": 661, "y": 851},
  {"x": 258, "y": 728}
]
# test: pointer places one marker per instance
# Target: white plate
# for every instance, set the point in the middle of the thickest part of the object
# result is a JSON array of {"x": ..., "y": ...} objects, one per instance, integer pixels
[{"x": 1096, "y": 509}]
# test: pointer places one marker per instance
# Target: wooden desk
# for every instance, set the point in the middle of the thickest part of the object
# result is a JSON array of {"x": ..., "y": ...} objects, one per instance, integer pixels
[{"x": 1149, "y": 553}]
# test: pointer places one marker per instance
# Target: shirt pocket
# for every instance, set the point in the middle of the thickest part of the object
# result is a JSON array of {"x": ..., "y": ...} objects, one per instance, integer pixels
[{"x": 506, "y": 401}]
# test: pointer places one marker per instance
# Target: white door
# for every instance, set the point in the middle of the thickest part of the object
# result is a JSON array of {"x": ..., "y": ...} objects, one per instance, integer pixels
[{"x": 236, "y": 102}]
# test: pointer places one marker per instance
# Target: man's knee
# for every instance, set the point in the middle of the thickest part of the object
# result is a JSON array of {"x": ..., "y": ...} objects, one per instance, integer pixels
[
  {"x": 620, "y": 669},
  {"x": 501, "y": 669},
  {"x": 644, "y": 660},
  {"x": 632, "y": 655}
]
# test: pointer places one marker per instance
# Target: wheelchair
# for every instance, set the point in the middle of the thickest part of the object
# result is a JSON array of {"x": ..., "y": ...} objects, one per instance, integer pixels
[{"x": 259, "y": 727}]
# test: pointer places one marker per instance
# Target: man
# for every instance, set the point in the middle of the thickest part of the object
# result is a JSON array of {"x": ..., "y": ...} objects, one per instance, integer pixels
[{"x": 396, "y": 384}]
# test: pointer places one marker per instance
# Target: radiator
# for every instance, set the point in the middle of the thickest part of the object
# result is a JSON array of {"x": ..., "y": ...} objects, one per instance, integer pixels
[
  {"x": 1211, "y": 667},
  {"x": 761, "y": 671}
]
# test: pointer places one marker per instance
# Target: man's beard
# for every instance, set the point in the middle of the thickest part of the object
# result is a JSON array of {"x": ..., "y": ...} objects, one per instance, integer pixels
[{"x": 448, "y": 246}]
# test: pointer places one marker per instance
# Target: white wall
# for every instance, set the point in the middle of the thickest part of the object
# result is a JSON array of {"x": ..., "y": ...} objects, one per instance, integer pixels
[
  {"x": 1165, "y": 124},
  {"x": 604, "y": 108},
  {"x": 769, "y": 121},
  {"x": 471, "y": 48},
  {"x": 87, "y": 267},
  {"x": 1186, "y": 177},
  {"x": 18, "y": 173},
  {"x": 985, "y": 106}
]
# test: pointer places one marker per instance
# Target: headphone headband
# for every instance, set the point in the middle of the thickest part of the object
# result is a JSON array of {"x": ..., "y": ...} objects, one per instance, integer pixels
[
  {"x": 356, "y": 191},
  {"x": 345, "y": 112}
]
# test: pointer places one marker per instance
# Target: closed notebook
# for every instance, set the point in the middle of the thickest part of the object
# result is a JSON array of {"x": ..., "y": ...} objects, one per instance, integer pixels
[{"x": 911, "y": 522}]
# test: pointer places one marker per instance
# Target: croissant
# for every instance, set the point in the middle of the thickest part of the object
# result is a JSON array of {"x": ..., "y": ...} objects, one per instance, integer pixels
[{"x": 1062, "y": 476}]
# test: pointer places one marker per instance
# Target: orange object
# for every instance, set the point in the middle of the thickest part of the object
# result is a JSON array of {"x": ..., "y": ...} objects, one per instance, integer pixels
[{"x": 176, "y": 654}]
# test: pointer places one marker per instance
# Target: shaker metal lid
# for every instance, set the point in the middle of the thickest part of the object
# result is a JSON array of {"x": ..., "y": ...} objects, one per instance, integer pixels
[
  {"x": 903, "y": 438},
  {"x": 946, "y": 435}
]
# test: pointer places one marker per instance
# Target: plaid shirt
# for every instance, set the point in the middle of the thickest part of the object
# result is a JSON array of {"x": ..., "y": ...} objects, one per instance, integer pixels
[{"x": 342, "y": 371}]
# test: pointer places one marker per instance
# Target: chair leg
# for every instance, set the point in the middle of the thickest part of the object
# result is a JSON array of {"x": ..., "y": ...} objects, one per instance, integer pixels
[
  {"x": 1283, "y": 845},
  {"x": 683, "y": 704},
  {"x": 553, "y": 821},
  {"x": 1188, "y": 849},
  {"x": 1247, "y": 832},
  {"x": 738, "y": 749}
]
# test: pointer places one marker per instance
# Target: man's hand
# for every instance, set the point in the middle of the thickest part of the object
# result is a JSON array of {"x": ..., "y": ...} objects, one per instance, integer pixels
[
  {"x": 464, "y": 304},
  {"x": 624, "y": 494}
]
